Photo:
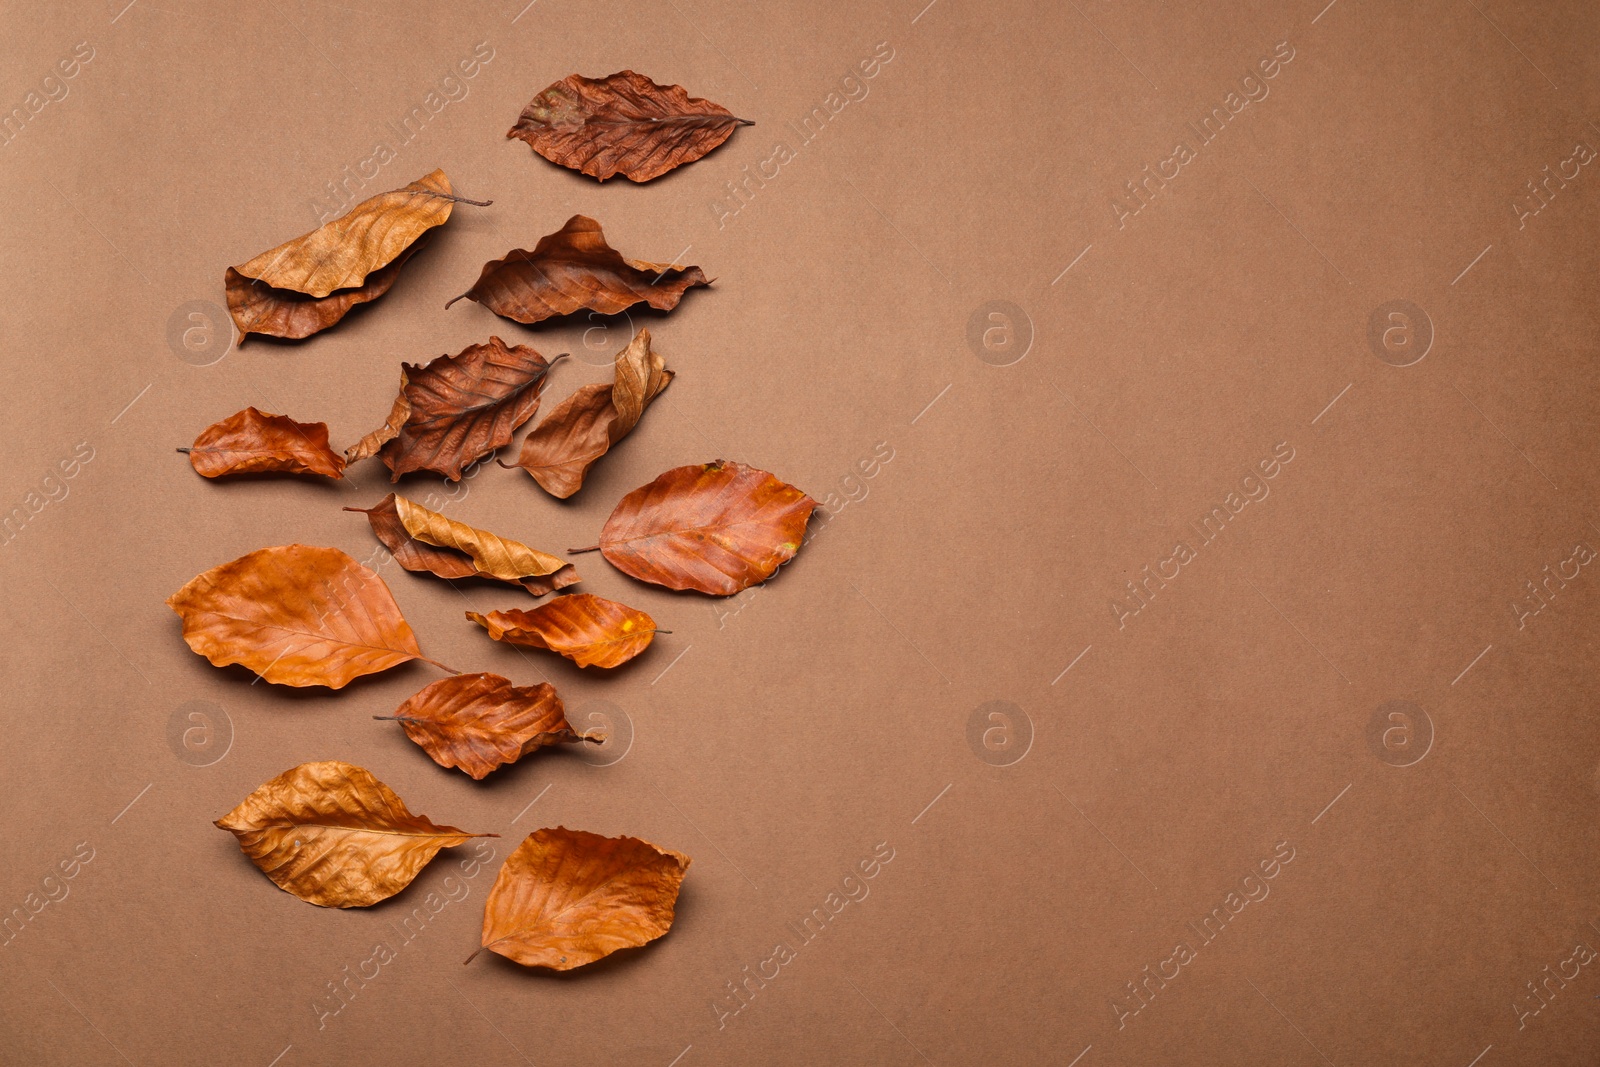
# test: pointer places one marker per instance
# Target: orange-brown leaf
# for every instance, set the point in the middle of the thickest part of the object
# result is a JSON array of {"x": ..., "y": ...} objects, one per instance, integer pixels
[
  {"x": 477, "y": 722},
  {"x": 460, "y": 408},
  {"x": 713, "y": 527},
  {"x": 589, "y": 630},
  {"x": 333, "y": 835},
  {"x": 253, "y": 442},
  {"x": 296, "y": 615},
  {"x": 623, "y": 124},
  {"x": 423, "y": 540},
  {"x": 574, "y": 269},
  {"x": 257, "y": 307},
  {"x": 565, "y": 898},
  {"x": 560, "y": 450}
]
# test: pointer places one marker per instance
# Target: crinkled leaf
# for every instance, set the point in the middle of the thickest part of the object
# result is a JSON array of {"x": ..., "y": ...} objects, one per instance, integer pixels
[
  {"x": 477, "y": 722},
  {"x": 587, "y": 629},
  {"x": 257, "y": 307},
  {"x": 253, "y": 442}
]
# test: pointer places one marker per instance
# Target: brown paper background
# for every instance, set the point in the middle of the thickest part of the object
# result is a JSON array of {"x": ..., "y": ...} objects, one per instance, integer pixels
[{"x": 780, "y": 737}]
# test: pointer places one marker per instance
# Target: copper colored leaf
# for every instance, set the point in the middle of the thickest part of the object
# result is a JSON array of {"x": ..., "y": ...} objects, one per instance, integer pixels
[
  {"x": 332, "y": 834},
  {"x": 399, "y": 412},
  {"x": 623, "y": 124},
  {"x": 713, "y": 527},
  {"x": 565, "y": 898},
  {"x": 252, "y": 442},
  {"x": 477, "y": 722},
  {"x": 257, "y": 307},
  {"x": 574, "y": 269},
  {"x": 589, "y": 630},
  {"x": 423, "y": 540},
  {"x": 460, "y": 408},
  {"x": 340, "y": 254},
  {"x": 583, "y": 427},
  {"x": 296, "y": 615}
]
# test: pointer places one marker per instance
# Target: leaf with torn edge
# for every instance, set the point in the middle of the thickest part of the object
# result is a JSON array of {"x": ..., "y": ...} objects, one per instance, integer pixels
[
  {"x": 565, "y": 898},
  {"x": 715, "y": 527},
  {"x": 478, "y": 722},
  {"x": 574, "y": 269},
  {"x": 308, "y": 284},
  {"x": 423, "y": 540},
  {"x": 589, "y": 630},
  {"x": 458, "y": 409},
  {"x": 583, "y": 427},
  {"x": 333, "y": 835},
  {"x": 296, "y": 615},
  {"x": 254, "y": 442},
  {"x": 622, "y": 124}
]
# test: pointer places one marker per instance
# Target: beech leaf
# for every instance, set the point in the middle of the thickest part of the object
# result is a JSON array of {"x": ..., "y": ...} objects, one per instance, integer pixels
[
  {"x": 257, "y": 307},
  {"x": 458, "y": 409},
  {"x": 253, "y": 442},
  {"x": 714, "y": 527},
  {"x": 423, "y": 540},
  {"x": 565, "y": 898},
  {"x": 296, "y": 615},
  {"x": 589, "y": 630},
  {"x": 478, "y": 722},
  {"x": 574, "y": 269},
  {"x": 333, "y": 835},
  {"x": 622, "y": 124},
  {"x": 560, "y": 450}
]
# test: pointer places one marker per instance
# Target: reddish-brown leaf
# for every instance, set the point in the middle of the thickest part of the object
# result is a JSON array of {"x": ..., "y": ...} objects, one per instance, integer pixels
[
  {"x": 426, "y": 541},
  {"x": 713, "y": 527},
  {"x": 589, "y": 630},
  {"x": 623, "y": 124},
  {"x": 574, "y": 269},
  {"x": 257, "y": 307},
  {"x": 253, "y": 442},
  {"x": 565, "y": 898},
  {"x": 583, "y": 427},
  {"x": 477, "y": 722},
  {"x": 296, "y": 615},
  {"x": 333, "y": 835},
  {"x": 459, "y": 408}
]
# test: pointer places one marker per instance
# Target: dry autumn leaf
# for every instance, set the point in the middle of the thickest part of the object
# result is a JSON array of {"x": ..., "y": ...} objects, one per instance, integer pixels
[
  {"x": 589, "y": 630},
  {"x": 574, "y": 269},
  {"x": 333, "y": 835},
  {"x": 254, "y": 442},
  {"x": 583, "y": 427},
  {"x": 296, "y": 615},
  {"x": 477, "y": 722},
  {"x": 565, "y": 898},
  {"x": 423, "y": 540},
  {"x": 623, "y": 124},
  {"x": 311, "y": 282},
  {"x": 457, "y": 409},
  {"x": 713, "y": 527}
]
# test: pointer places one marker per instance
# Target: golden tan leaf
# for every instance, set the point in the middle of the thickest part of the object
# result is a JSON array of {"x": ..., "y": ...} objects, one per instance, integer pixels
[
  {"x": 333, "y": 835},
  {"x": 589, "y": 630},
  {"x": 399, "y": 412},
  {"x": 477, "y": 722},
  {"x": 565, "y": 898}
]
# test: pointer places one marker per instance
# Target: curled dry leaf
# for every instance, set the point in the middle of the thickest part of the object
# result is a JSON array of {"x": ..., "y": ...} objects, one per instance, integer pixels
[
  {"x": 623, "y": 124},
  {"x": 574, "y": 269},
  {"x": 583, "y": 427},
  {"x": 565, "y": 898},
  {"x": 332, "y": 834},
  {"x": 423, "y": 540},
  {"x": 296, "y": 615},
  {"x": 589, "y": 630},
  {"x": 457, "y": 409},
  {"x": 477, "y": 722},
  {"x": 713, "y": 527},
  {"x": 253, "y": 442},
  {"x": 311, "y": 282}
]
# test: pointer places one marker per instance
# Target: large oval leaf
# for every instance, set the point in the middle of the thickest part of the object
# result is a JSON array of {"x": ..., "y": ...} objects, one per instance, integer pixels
[
  {"x": 477, "y": 722},
  {"x": 713, "y": 527},
  {"x": 333, "y": 835},
  {"x": 296, "y": 615},
  {"x": 568, "y": 897},
  {"x": 623, "y": 124}
]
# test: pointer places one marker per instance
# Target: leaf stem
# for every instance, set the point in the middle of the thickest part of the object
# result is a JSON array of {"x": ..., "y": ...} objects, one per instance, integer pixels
[
  {"x": 462, "y": 199},
  {"x": 472, "y": 957},
  {"x": 436, "y": 663},
  {"x": 185, "y": 451},
  {"x": 591, "y": 548}
]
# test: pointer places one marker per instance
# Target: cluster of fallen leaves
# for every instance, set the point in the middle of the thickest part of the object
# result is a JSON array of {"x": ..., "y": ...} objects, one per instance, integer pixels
[{"x": 330, "y": 832}]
